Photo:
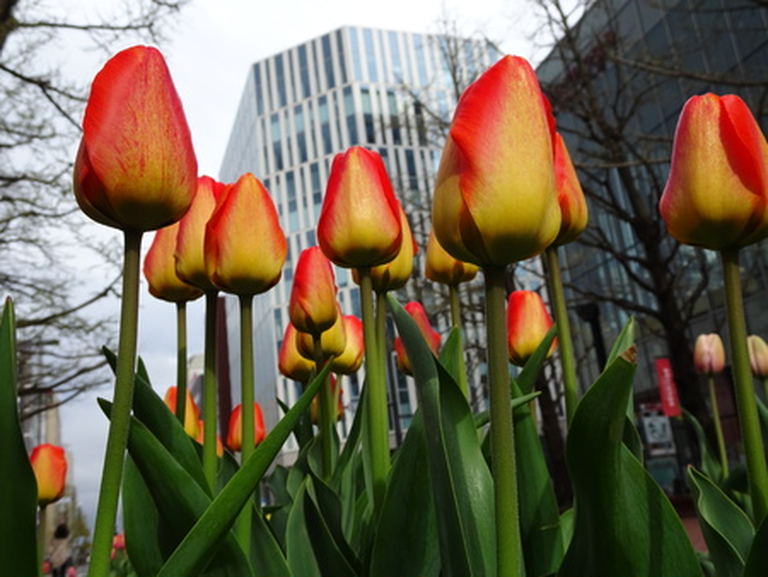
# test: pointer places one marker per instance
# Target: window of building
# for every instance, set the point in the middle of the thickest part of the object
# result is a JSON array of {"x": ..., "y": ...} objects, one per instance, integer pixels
[
  {"x": 370, "y": 55},
  {"x": 301, "y": 135},
  {"x": 394, "y": 53},
  {"x": 277, "y": 147},
  {"x": 349, "y": 108},
  {"x": 370, "y": 132},
  {"x": 341, "y": 60},
  {"x": 257, "y": 88},
  {"x": 304, "y": 71},
  {"x": 330, "y": 79},
  {"x": 357, "y": 63},
  {"x": 280, "y": 80},
  {"x": 325, "y": 125}
]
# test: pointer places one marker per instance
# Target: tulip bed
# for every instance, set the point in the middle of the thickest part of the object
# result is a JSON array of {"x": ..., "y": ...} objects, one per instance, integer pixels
[{"x": 466, "y": 494}]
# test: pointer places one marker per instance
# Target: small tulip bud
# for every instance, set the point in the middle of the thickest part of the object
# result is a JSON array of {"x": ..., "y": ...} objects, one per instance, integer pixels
[
  {"x": 160, "y": 269},
  {"x": 313, "y": 307},
  {"x": 396, "y": 273},
  {"x": 758, "y": 355},
  {"x": 49, "y": 463},
  {"x": 235, "y": 429},
  {"x": 290, "y": 362},
  {"x": 528, "y": 322},
  {"x": 191, "y": 410},
  {"x": 443, "y": 268},
  {"x": 709, "y": 354},
  {"x": 431, "y": 336},
  {"x": 350, "y": 360}
]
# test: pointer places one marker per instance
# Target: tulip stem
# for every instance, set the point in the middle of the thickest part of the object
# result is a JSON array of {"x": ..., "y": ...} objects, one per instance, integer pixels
[
  {"x": 327, "y": 410},
  {"x": 117, "y": 438},
  {"x": 243, "y": 530},
  {"x": 181, "y": 361},
  {"x": 210, "y": 461},
  {"x": 765, "y": 389},
  {"x": 757, "y": 473},
  {"x": 508, "y": 544},
  {"x": 718, "y": 425},
  {"x": 556, "y": 293},
  {"x": 41, "y": 527},
  {"x": 453, "y": 292},
  {"x": 377, "y": 432}
]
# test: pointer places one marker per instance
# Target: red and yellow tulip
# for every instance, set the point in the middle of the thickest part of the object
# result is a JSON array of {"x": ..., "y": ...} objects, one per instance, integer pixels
[
  {"x": 49, "y": 462},
  {"x": 350, "y": 360},
  {"x": 431, "y": 336},
  {"x": 291, "y": 363},
  {"x": 235, "y": 429},
  {"x": 160, "y": 269},
  {"x": 312, "y": 308},
  {"x": 191, "y": 410},
  {"x": 574, "y": 215},
  {"x": 528, "y": 322},
  {"x": 443, "y": 268}
]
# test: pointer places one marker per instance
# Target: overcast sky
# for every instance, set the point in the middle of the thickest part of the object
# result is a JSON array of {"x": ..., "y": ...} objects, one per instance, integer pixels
[{"x": 209, "y": 53}]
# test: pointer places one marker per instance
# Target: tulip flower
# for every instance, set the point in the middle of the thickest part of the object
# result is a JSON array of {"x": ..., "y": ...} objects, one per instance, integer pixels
[
  {"x": 314, "y": 408},
  {"x": 190, "y": 242},
  {"x": 431, "y": 336},
  {"x": 394, "y": 274},
  {"x": 359, "y": 223},
  {"x": 49, "y": 463},
  {"x": 136, "y": 167},
  {"x": 495, "y": 200},
  {"x": 234, "y": 431},
  {"x": 717, "y": 188},
  {"x": 245, "y": 248},
  {"x": 160, "y": 269},
  {"x": 528, "y": 322},
  {"x": 191, "y": 410},
  {"x": 312, "y": 308},
  {"x": 118, "y": 542},
  {"x": 350, "y": 360},
  {"x": 709, "y": 354},
  {"x": 332, "y": 342},
  {"x": 758, "y": 355},
  {"x": 443, "y": 268},
  {"x": 200, "y": 438},
  {"x": 570, "y": 196},
  {"x": 291, "y": 363}
]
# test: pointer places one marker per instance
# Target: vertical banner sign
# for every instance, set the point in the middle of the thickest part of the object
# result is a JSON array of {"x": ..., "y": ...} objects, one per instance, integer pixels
[{"x": 670, "y": 401}]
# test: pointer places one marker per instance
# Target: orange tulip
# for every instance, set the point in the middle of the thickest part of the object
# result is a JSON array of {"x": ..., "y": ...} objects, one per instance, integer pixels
[
  {"x": 314, "y": 408},
  {"x": 190, "y": 242},
  {"x": 528, "y": 322},
  {"x": 758, "y": 355},
  {"x": 359, "y": 224},
  {"x": 573, "y": 207},
  {"x": 235, "y": 430},
  {"x": 332, "y": 342},
  {"x": 49, "y": 463},
  {"x": 245, "y": 248},
  {"x": 717, "y": 190},
  {"x": 709, "y": 354},
  {"x": 443, "y": 268},
  {"x": 160, "y": 269},
  {"x": 291, "y": 363},
  {"x": 313, "y": 307},
  {"x": 136, "y": 168},
  {"x": 416, "y": 310},
  {"x": 200, "y": 437},
  {"x": 495, "y": 200},
  {"x": 191, "y": 410},
  {"x": 350, "y": 360},
  {"x": 396, "y": 273}
]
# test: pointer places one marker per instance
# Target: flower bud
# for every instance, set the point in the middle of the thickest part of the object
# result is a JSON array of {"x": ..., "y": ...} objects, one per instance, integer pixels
[
  {"x": 332, "y": 342},
  {"x": 350, "y": 360},
  {"x": 312, "y": 308},
  {"x": 290, "y": 362},
  {"x": 235, "y": 430},
  {"x": 314, "y": 408},
  {"x": 200, "y": 438},
  {"x": 191, "y": 411},
  {"x": 245, "y": 248},
  {"x": 359, "y": 224},
  {"x": 431, "y": 336},
  {"x": 394, "y": 274},
  {"x": 190, "y": 241},
  {"x": 160, "y": 269},
  {"x": 573, "y": 207},
  {"x": 716, "y": 193},
  {"x": 495, "y": 200},
  {"x": 49, "y": 463},
  {"x": 709, "y": 354},
  {"x": 528, "y": 322},
  {"x": 135, "y": 168},
  {"x": 443, "y": 268},
  {"x": 758, "y": 355}
]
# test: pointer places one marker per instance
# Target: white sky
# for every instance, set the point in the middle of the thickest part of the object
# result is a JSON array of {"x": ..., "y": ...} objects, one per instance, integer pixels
[{"x": 209, "y": 54}]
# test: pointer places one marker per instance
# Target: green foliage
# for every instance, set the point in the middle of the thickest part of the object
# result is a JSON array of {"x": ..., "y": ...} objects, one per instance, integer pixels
[
  {"x": 709, "y": 463},
  {"x": 757, "y": 560}
]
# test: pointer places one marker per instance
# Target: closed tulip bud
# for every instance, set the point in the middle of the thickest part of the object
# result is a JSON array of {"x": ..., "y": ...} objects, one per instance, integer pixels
[
  {"x": 245, "y": 248},
  {"x": 200, "y": 438},
  {"x": 359, "y": 223},
  {"x": 495, "y": 200},
  {"x": 290, "y": 362},
  {"x": 312, "y": 308},
  {"x": 118, "y": 542},
  {"x": 191, "y": 410},
  {"x": 709, "y": 354},
  {"x": 528, "y": 322},
  {"x": 431, "y": 336},
  {"x": 190, "y": 242},
  {"x": 443, "y": 268},
  {"x": 135, "y": 169},
  {"x": 350, "y": 360},
  {"x": 717, "y": 188},
  {"x": 332, "y": 342},
  {"x": 573, "y": 207},
  {"x": 314, "y": 408},
  {"x": 49, "y": 463},
  {"x": 160, "y": 269},
  {"x": 758, "y": 355},
  {"x": 235, "y": 430}
]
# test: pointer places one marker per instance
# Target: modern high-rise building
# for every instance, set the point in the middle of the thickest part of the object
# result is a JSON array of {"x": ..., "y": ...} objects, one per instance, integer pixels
[{"x": 299, "y": 108}]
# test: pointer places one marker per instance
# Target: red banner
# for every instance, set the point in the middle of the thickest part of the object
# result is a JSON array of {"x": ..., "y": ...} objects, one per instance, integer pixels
[{"x": 670, "y": 402}]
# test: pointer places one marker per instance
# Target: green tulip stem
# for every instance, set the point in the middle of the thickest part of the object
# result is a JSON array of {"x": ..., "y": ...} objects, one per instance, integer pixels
[
  {"x": 117, "y": 438},
  {"x": 567, "y": 360},
  {"x": 718, "y": 425},
  {"x": 42, "y": 524},
  {"x": 243, "y": 527},
  {"x": 453, "y": 292},
  {"x": 210, "y": 459},
  {"x": 765, "y": 389},
  {"x": 508, "y": 544},
  {"x": 757, "y": 473},
  {"x": 181, "y": 361},
  {"x": 327, "y": 412},
  {"x": 377, "y": 433}
]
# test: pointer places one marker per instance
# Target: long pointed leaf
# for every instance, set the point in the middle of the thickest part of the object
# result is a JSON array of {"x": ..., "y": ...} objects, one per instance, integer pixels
[
  {"x": 527, "y": 377},
  {"x": 141, "y": 524},
  {"x": 709, "y": 464},
  {"x": 758, "y": 554}
]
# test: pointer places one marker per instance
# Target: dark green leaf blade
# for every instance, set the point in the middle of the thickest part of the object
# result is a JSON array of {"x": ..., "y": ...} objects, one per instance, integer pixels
[
  {"x": 709, "y": 463},
  {"x": 757, "y": 560},
  {"x": 526, "y": 380},
  {"x": 141, "y": 523}
]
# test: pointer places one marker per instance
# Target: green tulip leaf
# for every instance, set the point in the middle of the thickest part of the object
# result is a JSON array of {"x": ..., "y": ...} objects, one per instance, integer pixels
[
  {"x": 301, "y": 557},
  {"x": 624, "y": 524},
  {"x": 483, "y": 417},
  {"x": 757, "y": 560},
  {"x": 566, "y": 526},
  {"x": 450, "y": 353},
  {"x": 709, "y": 463},
  {"x": 462, "y": 485},
  {"x": 405, "y": 541},
  {"x": 267, "y": 557},
  {"x": 526, "y": 380},
  {"x": 18, "y": 487},
  {"x": 726, "y": 528},
  {"x": 351, "y": 444},
  {"x": 625, "y": 340},
  {"x": 303, "y": 429}
]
